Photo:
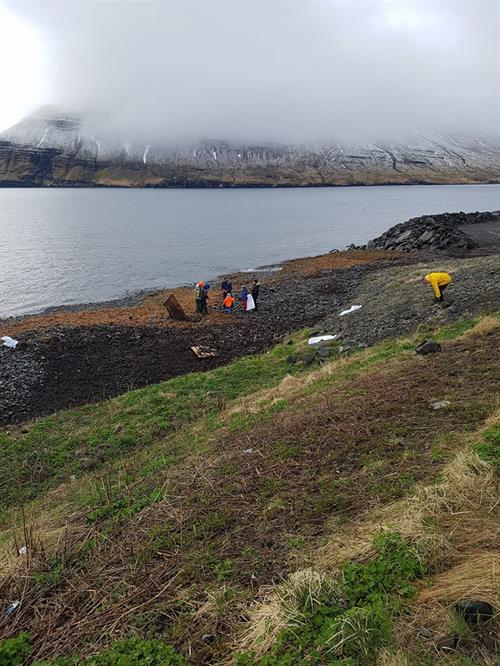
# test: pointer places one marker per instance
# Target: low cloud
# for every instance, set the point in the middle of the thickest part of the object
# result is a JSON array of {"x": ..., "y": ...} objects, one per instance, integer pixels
[{"x": 273, "y": 71}]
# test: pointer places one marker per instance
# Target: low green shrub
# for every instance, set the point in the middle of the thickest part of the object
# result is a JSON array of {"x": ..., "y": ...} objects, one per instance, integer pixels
[
  {"x": 350, "y": 619},
  {"x": 13, "y": 651},
  {"x": 129, "y": 652},
  {"x": 390, "y": 573}
]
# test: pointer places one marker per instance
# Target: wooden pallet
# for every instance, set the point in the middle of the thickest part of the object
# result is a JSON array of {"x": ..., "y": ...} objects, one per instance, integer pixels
[
  {"x": 203, "y": 352},
  {"x": 175, "y": 309}
]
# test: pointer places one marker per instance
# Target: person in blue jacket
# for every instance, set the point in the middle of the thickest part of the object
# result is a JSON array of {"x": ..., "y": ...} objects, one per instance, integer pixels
[{"x": 243, "y": 297}]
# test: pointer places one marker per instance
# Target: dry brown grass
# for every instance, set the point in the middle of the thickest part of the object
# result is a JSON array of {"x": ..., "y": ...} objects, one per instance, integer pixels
[
  {"x": 389, "y": 659},
  {"x": 457, "y": 505},
  {"x": 282, "y": 607},
  {"x": 486, "y": 326},
  {"x": 454, "y": 525},
  {"x": 477, "y": 576},
  {"x": 289, "y": 389}
]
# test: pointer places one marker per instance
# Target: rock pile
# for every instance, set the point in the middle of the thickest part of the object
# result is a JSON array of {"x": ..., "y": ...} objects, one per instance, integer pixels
[{"x": 437, "y": 232}]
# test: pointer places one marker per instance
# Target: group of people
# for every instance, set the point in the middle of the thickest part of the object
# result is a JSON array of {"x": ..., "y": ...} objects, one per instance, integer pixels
[{"x": 247, "y": 298}]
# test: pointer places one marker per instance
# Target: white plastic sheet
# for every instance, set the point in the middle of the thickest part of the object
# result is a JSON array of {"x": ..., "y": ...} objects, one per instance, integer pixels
[
  {"x": 250, "y": 303},
  {"x": 320, "y": 338},
  {"x": 353, "y": 308},
  {"x": 9, "y": 342}
]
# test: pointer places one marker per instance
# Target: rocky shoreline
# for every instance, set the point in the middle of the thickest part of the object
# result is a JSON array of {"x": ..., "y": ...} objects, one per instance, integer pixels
[
  {"x": 432, "y": 232},
  {"x": 78, "y": 356}
]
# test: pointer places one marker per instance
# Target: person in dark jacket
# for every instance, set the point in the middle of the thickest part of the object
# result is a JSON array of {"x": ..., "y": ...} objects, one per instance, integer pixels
[
  {"x": 255, "y": 292},
  {"x": 227, "y": 287},
  {"x": 204, "y": 299}
]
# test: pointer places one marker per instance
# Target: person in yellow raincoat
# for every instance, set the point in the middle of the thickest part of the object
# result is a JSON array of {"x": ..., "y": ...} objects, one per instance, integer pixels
[{"x": 439, "y": 282}]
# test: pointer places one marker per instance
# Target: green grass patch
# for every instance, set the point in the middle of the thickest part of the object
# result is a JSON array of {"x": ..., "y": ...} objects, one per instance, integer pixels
[
  {"x": 129, "y": 652},
  {"x": 75, "y": 441},
  {"x": 349, "y": 619},
  {"x": 489, "y": 449},
  {"x": 13, "y": 651}
]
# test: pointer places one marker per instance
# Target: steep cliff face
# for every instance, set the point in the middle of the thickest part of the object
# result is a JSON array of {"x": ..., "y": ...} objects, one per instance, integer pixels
[{"x": 51, "y": 149}]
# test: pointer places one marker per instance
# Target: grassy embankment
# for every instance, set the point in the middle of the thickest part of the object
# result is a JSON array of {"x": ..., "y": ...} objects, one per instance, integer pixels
[{"x": 172, "y": 513}]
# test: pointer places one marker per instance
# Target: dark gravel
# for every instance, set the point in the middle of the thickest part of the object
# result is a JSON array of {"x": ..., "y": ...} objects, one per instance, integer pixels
[
  {"x": 72, "y": 366},
  {"x": 395, "y": 302}
]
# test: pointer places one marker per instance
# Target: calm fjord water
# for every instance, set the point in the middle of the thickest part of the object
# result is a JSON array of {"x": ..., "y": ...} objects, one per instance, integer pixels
[{"x": 67, "y": 246}]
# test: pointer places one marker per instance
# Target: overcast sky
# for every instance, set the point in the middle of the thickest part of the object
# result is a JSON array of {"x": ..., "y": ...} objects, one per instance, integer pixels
[{"x": 270, "y": 70}]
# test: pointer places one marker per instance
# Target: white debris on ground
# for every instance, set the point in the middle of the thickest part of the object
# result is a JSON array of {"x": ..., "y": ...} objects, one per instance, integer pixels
[
  {"x": 441, "y": 404},
  {"x": 353, "y": 308},
  {"x": 9, "y": 342},
  {"x": 320, "y": 338}
]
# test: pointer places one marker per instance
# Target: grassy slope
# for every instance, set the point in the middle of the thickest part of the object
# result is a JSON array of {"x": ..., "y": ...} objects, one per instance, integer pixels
[
  {"x": 208, "y": 486},
  {"x": 48, "y": 451}
]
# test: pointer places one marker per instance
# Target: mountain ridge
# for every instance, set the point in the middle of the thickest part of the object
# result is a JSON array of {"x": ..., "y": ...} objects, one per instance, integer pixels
[{"x": 55, "y": 149}]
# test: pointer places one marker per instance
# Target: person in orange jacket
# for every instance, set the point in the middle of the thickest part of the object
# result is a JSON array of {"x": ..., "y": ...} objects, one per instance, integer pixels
[
  {"x": 228, "y": 303},
  {"x": 439, "y": 282}
]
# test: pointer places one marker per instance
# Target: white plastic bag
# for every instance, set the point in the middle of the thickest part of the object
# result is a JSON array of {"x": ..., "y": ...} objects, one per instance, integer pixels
[
  {"x": 320, "y": 338},
  {"x": 250, "y": 303},
  {"x": 353, "y": 308},
  {"x": 9, "y": 342}
]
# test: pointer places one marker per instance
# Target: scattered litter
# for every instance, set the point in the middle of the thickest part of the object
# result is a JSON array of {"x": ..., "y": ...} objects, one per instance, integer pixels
[
  {"x": 353, "y": 308},
  {"x": 250, "y": 303},
  {"x": 203, "y": 352},
  {"x": 441, "y": 404},
  {"x": 15, "y": 604},
  {"x": 425, "y": 633},
  {"x": 448, "y": 642},
  {"x": 248, "y": 451},
  {"x": 473, "y": 611},
  {"x": 22, "y": 551},
  {"x": 9, "y": 342},
  {"x": 320, "y": 338}
]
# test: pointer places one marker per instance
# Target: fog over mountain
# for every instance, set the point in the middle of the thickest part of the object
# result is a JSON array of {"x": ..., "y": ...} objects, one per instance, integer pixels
[{"x": 271, "y": 71}]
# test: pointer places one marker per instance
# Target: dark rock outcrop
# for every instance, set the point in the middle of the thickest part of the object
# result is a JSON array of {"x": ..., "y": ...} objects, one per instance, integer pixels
[{"x": 436, "y": 232}]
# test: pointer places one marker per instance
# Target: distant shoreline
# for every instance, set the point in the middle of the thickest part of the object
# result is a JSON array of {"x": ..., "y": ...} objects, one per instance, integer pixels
[{"x": 247, "y": 186}]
